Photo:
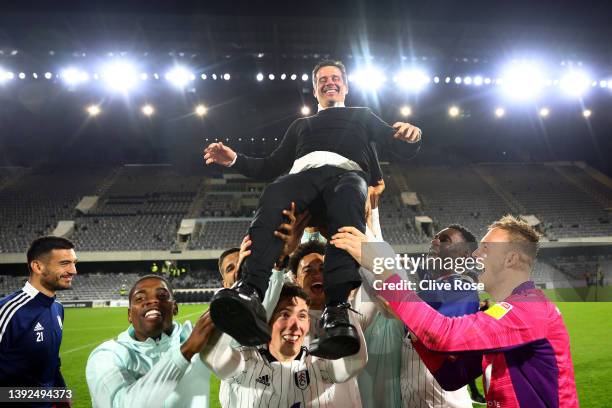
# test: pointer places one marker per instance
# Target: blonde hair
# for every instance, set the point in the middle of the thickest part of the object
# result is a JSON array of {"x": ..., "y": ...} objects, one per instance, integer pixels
[{"x": 519, "y": 232}]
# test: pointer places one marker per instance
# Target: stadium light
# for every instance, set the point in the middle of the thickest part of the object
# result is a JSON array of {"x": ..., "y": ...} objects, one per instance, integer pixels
[
  {"x": 478, "y": 80},
  {"x": 227, "y": 76},
  {"x": 271, "y": 77},
  {"x": 120, "y": 76},
  {"x": 544, "y": 112},
  {"x": 575, "y": 83},
  {"x": 521, "y": 81},
  {"x": 48, "y": 75},
  {"x": 305, "y": 110},
  {"x": 6, "y": 75},
  {"x": 179, "y": 76},
  {"x": 260, "y": 77},
  {"x": 304, "y": 77},
  {"x": 201, "y": 110},
  {"x": 293, "y": 77},
  {"x": 405, "y": 111},
  {"x": 93, "y": 110},
  {"x": 467, "y": 80},
  {"x": 458, "y": 80},
  {"x": 22, "y": 75},
  {"x": 283, "y": 76},
  {"x": 412, "y": 80},
  {"x": 500, "y": 112},
  {"x": 436, "y": 79},
  {"x": 453, "y": 111},
  {"x": 72, "y": 76},
  {"x": 587, "y": 113},
  {"x": 369, "y": 79},
  {"x": 447, "y": 80},
  {"x": 148, "y": 110}
]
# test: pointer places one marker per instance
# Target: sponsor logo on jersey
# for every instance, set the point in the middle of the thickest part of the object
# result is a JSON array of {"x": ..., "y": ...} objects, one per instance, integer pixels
[
  {"x": 264, "y": 379},
  {"x": 302, "y": 379},
  {"x": 38, "y": 327},
  {"x": 499, "y": 310}
]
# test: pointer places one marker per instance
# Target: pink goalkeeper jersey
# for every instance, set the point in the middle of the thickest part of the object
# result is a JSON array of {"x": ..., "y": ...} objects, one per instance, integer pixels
[{"x": 521, "y": 346}]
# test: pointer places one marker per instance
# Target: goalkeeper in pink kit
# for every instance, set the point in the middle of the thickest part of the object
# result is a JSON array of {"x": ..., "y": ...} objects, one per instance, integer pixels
[{"x": 520, "y": 345}]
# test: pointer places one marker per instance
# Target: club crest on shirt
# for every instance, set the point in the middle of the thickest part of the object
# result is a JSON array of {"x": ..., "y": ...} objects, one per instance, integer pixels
[
  {"x": 302, "y": 379},
  {"x": 499, "y": 310}
]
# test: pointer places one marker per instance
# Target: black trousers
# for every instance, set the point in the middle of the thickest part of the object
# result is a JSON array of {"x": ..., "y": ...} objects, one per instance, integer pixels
[{"x": 342, "y": 192}]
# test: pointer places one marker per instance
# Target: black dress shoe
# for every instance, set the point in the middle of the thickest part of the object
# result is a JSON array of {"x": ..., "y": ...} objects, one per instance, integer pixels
[
  {"x": 239, "y": 313},
  {"x": 338, "y": 336}
]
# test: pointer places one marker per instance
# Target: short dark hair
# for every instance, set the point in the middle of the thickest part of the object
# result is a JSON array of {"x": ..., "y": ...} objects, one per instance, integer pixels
[
  {"x": 145, "y": 277},
  {"x": 291, "y": 290},
  {"x": 44, "y": 245},
  {"x": 466, "y": 234},
  {"x": 301, "y": 251},
  {"x": 329, "y": 63},
  {"x": 225, "y": 254}
]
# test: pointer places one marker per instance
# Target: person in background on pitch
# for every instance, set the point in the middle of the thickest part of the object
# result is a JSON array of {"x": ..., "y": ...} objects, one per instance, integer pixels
[
  {"x": 31, "y": 319},
  {"x": 157, "y": 361},
  {"x": 329, "y": 156}
]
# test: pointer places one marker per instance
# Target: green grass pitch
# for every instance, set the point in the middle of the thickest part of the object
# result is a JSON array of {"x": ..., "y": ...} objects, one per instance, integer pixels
[{"x": 588, "y": 325}]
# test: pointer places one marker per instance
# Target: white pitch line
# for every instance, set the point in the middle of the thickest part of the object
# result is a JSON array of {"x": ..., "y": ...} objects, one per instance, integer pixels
[
  {"x": 93, "y": 328},
  {"x": 191, "y": 314},
  {"x": 83, "y": 346}
]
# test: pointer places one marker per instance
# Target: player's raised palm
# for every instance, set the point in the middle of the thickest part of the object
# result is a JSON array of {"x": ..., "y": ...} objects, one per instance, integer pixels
[{"x": 220, "y": 154}]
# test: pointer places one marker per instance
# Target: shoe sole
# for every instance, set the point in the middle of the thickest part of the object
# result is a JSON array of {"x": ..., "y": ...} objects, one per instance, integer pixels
[
  {"x": 338, "y": 342},
  {"x": 234, "y": 318}
]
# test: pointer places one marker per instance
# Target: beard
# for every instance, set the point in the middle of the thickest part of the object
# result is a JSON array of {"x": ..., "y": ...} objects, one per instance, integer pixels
[{"x": 53, "y": 282}]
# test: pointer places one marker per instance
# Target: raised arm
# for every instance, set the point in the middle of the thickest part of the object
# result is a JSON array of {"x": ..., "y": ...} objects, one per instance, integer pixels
[
  {"x": 222, "y": 359},
  {"x": 402, "y": 140},
  {"x": 266, "y": 168},
  {"x": 503, "y": 325}
]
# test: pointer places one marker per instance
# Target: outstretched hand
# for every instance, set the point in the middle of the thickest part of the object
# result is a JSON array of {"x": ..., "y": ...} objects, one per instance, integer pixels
[
  {"x": 243, "y": 253},
  {"x": 291, "y": 232},
  {"x": 350, "y": 239},
  {"x": 407, "y": 132},
  {"x": 199, "y": 336},
  {"x": 220, "y": 154}
]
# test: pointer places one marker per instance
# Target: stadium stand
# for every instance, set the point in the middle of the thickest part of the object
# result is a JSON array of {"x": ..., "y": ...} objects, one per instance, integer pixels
[
  {"x": 220, "y": 234},
  {"x": 140, "y": 211},
  {"x": 33, "y": 204},
  {"x": 139, "y": 208},
  {"x": 452, "y": 195},
  {"x": 564, "y": 209}
]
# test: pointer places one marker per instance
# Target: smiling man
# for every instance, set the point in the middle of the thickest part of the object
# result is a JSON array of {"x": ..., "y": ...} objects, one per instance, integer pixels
[
  {"x": 156, "y": 361},
  {"x": 283, "y": 373},
  {"x": 330, "y": 159},
  {"x": 31, "y": 320}
]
